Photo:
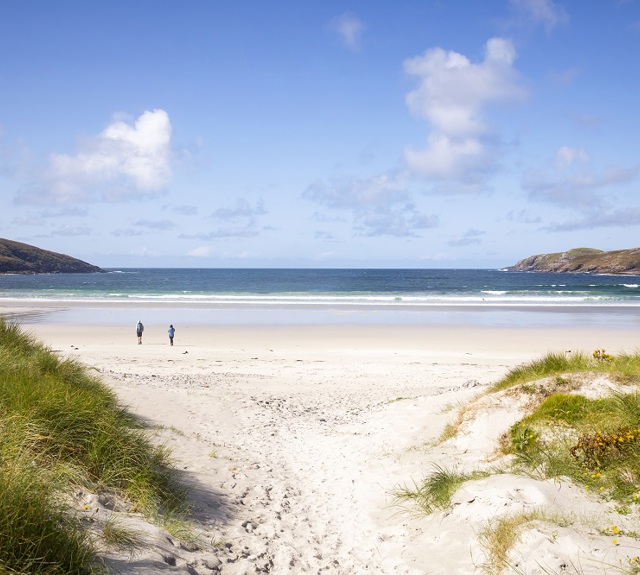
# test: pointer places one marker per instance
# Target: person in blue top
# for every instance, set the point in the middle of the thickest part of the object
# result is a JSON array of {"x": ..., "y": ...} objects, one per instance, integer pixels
[
  {"x": 139, "y": 330},
  {"x": 172, "y": 331}
]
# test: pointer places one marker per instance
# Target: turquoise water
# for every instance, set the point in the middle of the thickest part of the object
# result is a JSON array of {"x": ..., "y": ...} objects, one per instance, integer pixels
[{"x": 244, "y": 296}]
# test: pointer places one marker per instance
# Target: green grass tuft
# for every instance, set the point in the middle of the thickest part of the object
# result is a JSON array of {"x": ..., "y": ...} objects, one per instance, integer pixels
[
  {"x": 117, "y": 535},
  {"x": 436, "y": 490},
  {"x": 60, "y": 428},
  {"x": 624, "y": 368}
]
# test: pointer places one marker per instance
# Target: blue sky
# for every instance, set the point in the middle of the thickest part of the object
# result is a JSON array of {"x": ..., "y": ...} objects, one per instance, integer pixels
[{"x": 298, "y": 133}]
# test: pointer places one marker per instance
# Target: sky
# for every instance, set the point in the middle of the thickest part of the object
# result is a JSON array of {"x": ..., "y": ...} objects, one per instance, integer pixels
[{"x": 319, "y": 134}]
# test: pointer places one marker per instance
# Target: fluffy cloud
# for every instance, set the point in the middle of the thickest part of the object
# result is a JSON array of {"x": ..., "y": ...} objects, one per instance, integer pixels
[
  {"x": 452, "y": 97},
  {"x": 123, "y": 161}
]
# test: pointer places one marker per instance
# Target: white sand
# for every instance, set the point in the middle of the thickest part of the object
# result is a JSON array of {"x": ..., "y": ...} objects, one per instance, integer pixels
[{"x": 294, "y": 440}]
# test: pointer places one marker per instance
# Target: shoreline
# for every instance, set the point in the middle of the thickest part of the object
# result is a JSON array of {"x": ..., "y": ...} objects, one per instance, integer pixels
[
  {"x": 621, "y": 317},
  {"x": 453, "y": 329}
]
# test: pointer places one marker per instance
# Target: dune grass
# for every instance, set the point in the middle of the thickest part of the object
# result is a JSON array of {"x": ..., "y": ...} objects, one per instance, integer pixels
[
  {"x": 62, "y": 429},
  {"x": 593, "y": 442},
  {"x": 118, "y": 535},
  {"x": 436, "y": 490},
  {"x": 501, "y": 534},
  {"x": 624, "y": 367}
]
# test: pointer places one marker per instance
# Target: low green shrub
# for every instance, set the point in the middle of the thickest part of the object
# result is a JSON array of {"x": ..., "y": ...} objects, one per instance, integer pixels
[
  {"x": 522, "y": 438},
  {"x": 597, "y": 451}
]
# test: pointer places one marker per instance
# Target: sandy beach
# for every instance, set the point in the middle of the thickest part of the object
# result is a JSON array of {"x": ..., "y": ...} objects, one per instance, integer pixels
[{"x": 294, "y": 440}]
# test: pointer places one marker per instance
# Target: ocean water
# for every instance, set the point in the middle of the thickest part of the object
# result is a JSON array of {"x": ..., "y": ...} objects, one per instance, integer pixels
[
  {"x": 325, "y": 287},
  {"x": 317, "y": 294}
]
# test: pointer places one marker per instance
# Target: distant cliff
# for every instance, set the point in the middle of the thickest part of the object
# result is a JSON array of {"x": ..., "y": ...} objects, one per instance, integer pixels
[
  {"x": 583, "y": 260},
  {"x": 18, "y": 258}
]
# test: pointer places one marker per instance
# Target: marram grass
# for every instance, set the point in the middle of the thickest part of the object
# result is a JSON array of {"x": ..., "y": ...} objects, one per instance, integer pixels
[
  {"x": 62, "y": 428},
  {"x": 623, "y": 367},
  {"x": 593, "y": 442},
  {"x": 436, "y": 490}
]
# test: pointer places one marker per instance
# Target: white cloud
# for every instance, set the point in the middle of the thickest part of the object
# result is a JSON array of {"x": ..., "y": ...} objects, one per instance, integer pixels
[
  {"x": 359, "y": 194},
  {"x": 240, "y": 220},
  {"x": 201, "y": 252},
  {"x": 184, "y": 210},
  {"x": 242, "y": 209},
  {"x": 545, "y": 13},
  {"x": 567, "y": 156},
  {"x": 66, "y": 211},
  {"x": 29, "y": 220},
  {"x": 240, "y": 231},
  {"x": 349, "y": 28},
  {"x": 452, "y": 97},
  {"x": 72, "y": 232},
  {"x": 145, "y": 252},
  {"x": 380, "y": 205},
  {"x": 123, "y": 161},
  {"x": 127, "y": 232},
  {"x": 155, "y": 224},
  {"x": 571, "y": 180},
  {"x": 450, "y": 158},
  {"x": 566, "y": 77},
  {"x": 471, "y": 236},
  {"x": 624, "y": 217},
  {"x": 523, "y": 217}
]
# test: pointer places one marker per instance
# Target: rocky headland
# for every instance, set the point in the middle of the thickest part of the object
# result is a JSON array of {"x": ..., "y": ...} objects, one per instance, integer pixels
[
  {"x": 583, "y": 260},
  {"x": 19, "y": 258}
]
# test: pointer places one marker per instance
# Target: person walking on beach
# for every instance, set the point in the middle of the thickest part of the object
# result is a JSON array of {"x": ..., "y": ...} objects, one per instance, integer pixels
[
  {"x": 172, "y": 331},
  {"x": 139, "y": 330}
]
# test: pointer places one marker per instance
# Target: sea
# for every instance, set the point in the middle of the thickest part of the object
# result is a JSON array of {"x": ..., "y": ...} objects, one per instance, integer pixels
[{"x": 239, "y": 296}]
